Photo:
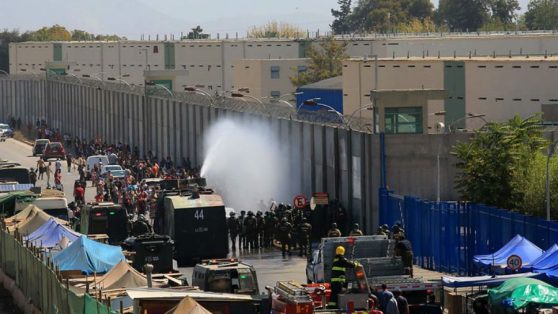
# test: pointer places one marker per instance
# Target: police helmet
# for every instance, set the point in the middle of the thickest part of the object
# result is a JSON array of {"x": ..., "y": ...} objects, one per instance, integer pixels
[
  {"x": 284, "y": 219},
  {"x": 250, "y": 213},
  {"x": 356, "y": 226},
  {"x": 334, "y": 226},
  {"x": 232, "y": 214}
]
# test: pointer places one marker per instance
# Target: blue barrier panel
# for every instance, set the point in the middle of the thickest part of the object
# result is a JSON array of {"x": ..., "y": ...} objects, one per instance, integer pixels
[{"x": 446, "y": 235}]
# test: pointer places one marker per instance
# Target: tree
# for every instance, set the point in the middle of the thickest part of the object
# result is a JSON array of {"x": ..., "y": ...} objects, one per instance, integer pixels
[
  {"x": 420, "y": 9},
  {"x": 196, "y": 33},
  {"x": 384, "y": 15},
  {"x": 79, "y": 35},
  {"x": 325, "y": 62},
  {"x": 496, "y": 161},
  {"x": 53, "y": 33},
  {"x": 533, "y": 186},
  {"x": 341, "y": 24},
  {"x": 7, "y": 37},
  {"x": 417, "y": 26},
  {"x": 542, "y": 14},
  {"x": 275, "y": 29},
  {"x": 462, "y": 15},
  {"x": 504, "y": 10}
]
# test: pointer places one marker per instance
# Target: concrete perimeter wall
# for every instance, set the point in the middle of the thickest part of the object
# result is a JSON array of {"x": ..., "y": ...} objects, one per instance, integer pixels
[{"x": 344, "y": 163}]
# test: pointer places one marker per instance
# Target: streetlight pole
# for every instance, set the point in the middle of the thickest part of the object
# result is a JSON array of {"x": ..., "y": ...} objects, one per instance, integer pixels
[
  {"x": 362, "y": 108},
  {"x": 198, "y": 91},
  {"x": 240, "y": 95},
  {"x": 119, "y": 80},
  {"x": 159, "y": 86},
  {"x": 551, "y": 151},
  {"x": 314, "y": 102},
  {"x": 469, "y": 116}
]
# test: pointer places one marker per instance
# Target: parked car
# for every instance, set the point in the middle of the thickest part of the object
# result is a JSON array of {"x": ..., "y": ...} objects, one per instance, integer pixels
[
  {"x": 6, "y": 130},
  {"x": 54, "y": 150},
  {"x": 40, "y": 146},
  {"x": 114, "y": 169}
]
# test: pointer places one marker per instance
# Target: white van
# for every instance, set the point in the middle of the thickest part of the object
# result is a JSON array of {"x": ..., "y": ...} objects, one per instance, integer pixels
[
  {"x": 54, "y": 206},
  {"x": 92, "y": 161}
]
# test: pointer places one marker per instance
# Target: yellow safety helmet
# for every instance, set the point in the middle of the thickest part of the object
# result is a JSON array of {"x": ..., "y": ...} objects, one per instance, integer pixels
[{"x": 340, "y": 250}]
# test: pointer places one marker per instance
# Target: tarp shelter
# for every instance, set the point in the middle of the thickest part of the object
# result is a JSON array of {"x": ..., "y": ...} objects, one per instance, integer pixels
[
  {"x": 517, "y": 246},
  {"x": 480, "y": 281},
  {"x": 50, "y": 234},
  {"x": 519, "y": 292},
  {"x": 121, "y": 276},
  {"x": 548, "y": 258},
  {"x": 35, "y": 219},
  {"x": 88, "y": 256},
  {"x": 188, "y": 306}
]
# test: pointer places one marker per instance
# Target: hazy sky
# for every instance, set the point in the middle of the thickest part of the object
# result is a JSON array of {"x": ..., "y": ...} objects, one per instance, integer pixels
[{"x": 132, "y": 18}]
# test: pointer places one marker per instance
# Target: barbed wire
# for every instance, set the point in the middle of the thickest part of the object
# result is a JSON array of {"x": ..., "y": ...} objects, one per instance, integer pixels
[{"x": 266, "y": 108}]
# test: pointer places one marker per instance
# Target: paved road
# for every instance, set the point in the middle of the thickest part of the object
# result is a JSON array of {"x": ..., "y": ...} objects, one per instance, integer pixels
[
  {"x": 20, "y": 152},
  {"x": 269, "y": 264}
]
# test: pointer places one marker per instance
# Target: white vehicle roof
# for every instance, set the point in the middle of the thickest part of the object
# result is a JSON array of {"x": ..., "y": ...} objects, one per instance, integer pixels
[{"x": 51, "y": 202}]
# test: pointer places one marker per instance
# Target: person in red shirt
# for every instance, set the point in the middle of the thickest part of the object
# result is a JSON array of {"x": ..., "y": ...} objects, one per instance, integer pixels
[
  {"x": 99, "y": 197},
  {"x": 79, "y": 194}
]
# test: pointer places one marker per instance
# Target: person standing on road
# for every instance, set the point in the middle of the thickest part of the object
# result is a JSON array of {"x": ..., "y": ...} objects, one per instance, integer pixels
[
  {"x": 402, "y": 303},
  {"x": 384, "y": 297},
  {"x": 48, "y": 172},
  {"x": 251, "y": 225},
  {"x": 304, "y": 232},
  {"x": 392, "y": 306},
  {"x": 242, "y": 230},
  {"x": 233, "y": 227},
  {"x": 58, "y": 165},
  {"x": 32, "y": 176},
  {"x": 333, "y": 232},
  {"x": 58, "y": 179},
  {"x": 41, "y": 167},
  {"x": 69, "y": 162},
  {"x": 356, "y": 232},
  {"x": 284, "y": 236}
]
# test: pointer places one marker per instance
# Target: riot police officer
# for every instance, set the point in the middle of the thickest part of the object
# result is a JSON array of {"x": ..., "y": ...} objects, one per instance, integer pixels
[
  {"x": 234, "y": 228},
  {"x": 356, "y": 232},
  {"x": 259, "y": 229},
  {"x": 333, "y": 232},
  {"x": 284, "y": 235},
  {"x": 242, "y": 230},
  {"x": 304, "y": 232},
  {"x": 251, "y": 228},
  {"x": 269, "y": 229}
]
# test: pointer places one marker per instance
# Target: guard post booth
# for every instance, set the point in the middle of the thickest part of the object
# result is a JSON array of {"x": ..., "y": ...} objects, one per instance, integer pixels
[{"x": 404, "y": 111}]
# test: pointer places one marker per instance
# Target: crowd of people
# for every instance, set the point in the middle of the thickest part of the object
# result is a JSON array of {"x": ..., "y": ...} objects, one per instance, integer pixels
[{"x": 138, "y": 198}]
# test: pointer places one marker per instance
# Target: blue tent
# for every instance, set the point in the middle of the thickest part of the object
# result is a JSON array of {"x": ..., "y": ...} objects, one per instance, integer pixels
[
  {"x": 517, "y": 246},
  {"x": 548, "y": 260},
  {"x": 50, "y": 233},
  {"x": 88, "y": 256}
]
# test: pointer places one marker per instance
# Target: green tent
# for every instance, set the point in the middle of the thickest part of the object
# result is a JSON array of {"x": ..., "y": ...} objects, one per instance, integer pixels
[{"x": 519, "y": 292}]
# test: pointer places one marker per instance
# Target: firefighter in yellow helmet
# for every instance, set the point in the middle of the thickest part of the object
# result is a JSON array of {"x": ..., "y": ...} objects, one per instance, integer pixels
[{"x": 338, "y": 278}]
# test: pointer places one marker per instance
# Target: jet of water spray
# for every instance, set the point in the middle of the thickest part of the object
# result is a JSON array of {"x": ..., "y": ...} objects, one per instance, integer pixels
[{"x": 245, "y": 164}]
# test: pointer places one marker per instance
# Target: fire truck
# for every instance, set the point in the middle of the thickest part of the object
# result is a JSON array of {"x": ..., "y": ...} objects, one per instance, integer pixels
[{"x": 378, "y": 263}]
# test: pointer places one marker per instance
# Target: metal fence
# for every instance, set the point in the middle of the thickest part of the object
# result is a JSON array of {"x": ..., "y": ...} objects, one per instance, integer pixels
[
  {"x": 31, "y": 271},
  {"x": 446, "y": 235}
]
